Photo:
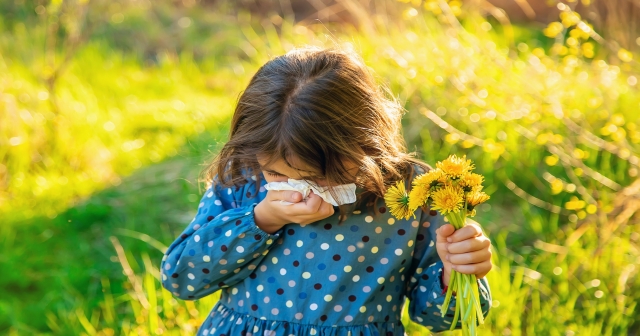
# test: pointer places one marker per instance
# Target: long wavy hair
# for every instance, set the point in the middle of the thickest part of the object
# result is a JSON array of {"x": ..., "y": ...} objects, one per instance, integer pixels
[{"x": 321, "y": 106}]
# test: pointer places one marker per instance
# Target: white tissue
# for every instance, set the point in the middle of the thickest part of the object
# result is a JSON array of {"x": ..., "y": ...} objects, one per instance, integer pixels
[{"x": 346, "y": 193}]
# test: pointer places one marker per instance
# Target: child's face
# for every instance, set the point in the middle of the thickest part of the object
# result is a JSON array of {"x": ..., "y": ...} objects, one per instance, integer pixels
[{"x": 279, "y": 171}]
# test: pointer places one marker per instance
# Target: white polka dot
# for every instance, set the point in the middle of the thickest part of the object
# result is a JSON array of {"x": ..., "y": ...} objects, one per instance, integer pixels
[
  {"x": 210, "y": 244},
  {"x": 274, "y": 260},
  {"x": 309, "y": 255},
  {"x": 398, "y": 252},
  {"x": 299, "y": 243},
  {"x": 241, "y": 303},
  {"x": 374, "y": 250},
  {"x": 191, "y": 276},
  {"x": 328, "y": 298},
  {"x": 333, "y": 277},
  {"x": 348, "y": 268},
  {"x": 196, "y": 238},
  {"x": 266, "y": 299},
  {"x": 324, "y": 246},
  {"x": 368, "y": 219},
  {"x": 260, "y": 288},
  {"x": 263, "y": 268},
  {"x": 306, "y": 275},
  {"x": 379, "y": 308},
  {"x": 286, "y": 251},
  {"x": 228, "y": 233},
  {"x": 217, "y": 202},
  {"x": 206, "y": 258},
  {"x": 381, "y": 280},
  {"x": 240, "y": 249},
  {"x": 384, "y": 261},
  {"x": 389, "y": 298},
  {"x": 283, "y": 271},
  {"x": 348, "y": 318},
  {"x": 223, "y": 261},
  {"x": 313, "y": 306},
  {"x": 356, "y": 278},
  {"x": 289, "y": 303},
  {"x": 197, "y": 226},
  {"x": 363, "y": 309},
  {"x": 228, "y": 191},
  {"x": 175, "y": 285},
  {"x": 225, "y": 218},
  {"x": 339, "y": 237},
  {"x": 338, "y": 308},
  {"x": 313, "y": 331},
  {"x": 201, "y": 205},
  {"x": 351, "y": 248},
  {"x": 431, "y": 243},
  {"x": 292, "y": 283},
  {"x": 299, "y": 316},
  {"x": 234, "y": 291},
  {"x": 190, "y": 288},
  {"x": 366, "y": 289},
  {"x": 415, "y": 224}
]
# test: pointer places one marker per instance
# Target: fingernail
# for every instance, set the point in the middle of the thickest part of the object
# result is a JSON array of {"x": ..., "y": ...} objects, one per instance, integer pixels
[{"x": 449, "y": 239}]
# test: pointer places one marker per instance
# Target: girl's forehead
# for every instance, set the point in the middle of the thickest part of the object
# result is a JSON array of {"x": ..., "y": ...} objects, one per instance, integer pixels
[{"x": 281, "y": 166}]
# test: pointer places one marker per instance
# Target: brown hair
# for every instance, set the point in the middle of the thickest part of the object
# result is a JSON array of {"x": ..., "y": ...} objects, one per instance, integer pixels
[{"x": 321, "y": 106}]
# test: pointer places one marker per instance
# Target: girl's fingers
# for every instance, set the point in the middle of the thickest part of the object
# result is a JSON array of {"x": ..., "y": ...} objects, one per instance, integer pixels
[
  {"x": 469, "y": 258},
  {"x": 285, "y": 195},
  {"x": 478, "y": 269},
  {"x": 469, "y": 245},
  {"x": 466, "y": 232}
]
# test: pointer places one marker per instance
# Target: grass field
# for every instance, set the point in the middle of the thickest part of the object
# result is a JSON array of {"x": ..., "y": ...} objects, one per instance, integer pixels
[{"x": 98, "y": 174}]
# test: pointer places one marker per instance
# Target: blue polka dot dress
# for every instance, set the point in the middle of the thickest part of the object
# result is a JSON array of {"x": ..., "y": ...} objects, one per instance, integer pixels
[{"x": 316, "y": 279}]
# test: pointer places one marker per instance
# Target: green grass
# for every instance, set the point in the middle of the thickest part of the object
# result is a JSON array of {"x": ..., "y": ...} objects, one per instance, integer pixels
[{"x": 94, "y": 185}]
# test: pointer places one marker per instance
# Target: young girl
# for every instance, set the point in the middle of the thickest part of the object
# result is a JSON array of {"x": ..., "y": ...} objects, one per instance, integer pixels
[{"x": 311, "y": 268}]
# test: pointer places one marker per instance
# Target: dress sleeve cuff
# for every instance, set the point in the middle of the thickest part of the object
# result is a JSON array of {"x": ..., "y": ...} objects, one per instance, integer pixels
[{"x": 255, "y": 229}]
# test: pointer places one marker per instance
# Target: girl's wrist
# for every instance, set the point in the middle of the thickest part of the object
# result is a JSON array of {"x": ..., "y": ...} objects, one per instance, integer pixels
[{"x": 265, "y": 220}]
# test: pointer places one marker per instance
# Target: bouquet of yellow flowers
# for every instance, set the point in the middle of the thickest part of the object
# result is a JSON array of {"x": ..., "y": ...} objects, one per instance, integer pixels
[{"x": 455, "y": 191}]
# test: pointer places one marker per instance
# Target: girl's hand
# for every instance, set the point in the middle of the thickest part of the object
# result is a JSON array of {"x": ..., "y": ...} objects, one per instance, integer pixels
[
  {"x": 466, "y": 250},
  {"x": 270, "y": 214}
]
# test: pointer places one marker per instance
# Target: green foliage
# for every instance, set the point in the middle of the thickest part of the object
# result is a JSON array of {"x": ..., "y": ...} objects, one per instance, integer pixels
[{"x": 93, "y": 163}]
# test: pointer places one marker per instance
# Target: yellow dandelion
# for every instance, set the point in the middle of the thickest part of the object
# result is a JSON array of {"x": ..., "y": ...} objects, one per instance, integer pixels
[
  {"x": 476, "y": 198},
  {"x": 470, "y": 180},
  {"x": 429, "y": 179},
  {"x": 448, "y": 199},
  {"x": 455, "y": 166},
  {"x": 418, "y": 196},
  {"x": 397, "y": 201}
]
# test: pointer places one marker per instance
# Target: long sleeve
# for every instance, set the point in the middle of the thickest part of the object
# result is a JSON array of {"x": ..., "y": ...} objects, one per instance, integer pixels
[
  {"x": 220, "y": 247},
  {"x": 425, "y": 289}
]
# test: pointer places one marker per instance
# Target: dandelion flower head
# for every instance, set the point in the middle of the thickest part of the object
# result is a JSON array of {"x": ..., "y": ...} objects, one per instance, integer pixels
[{"x": 455, "y": 167}]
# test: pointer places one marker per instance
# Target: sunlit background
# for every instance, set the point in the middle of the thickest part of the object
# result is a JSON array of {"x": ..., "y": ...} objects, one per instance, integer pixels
[{"x": 110, "y": 108}]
